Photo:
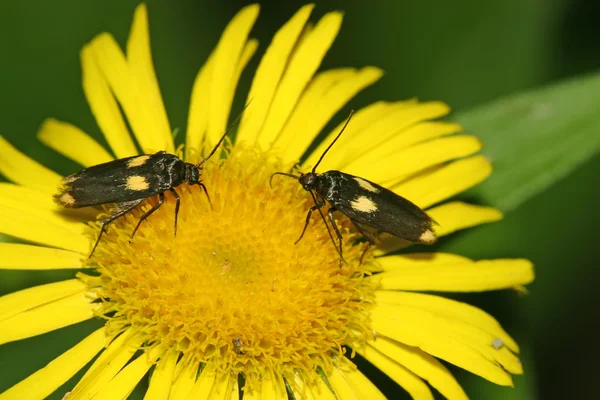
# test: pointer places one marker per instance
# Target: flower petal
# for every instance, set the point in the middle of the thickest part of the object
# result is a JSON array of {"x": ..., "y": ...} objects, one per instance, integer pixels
[
  {"x": 203, "y": 386},
  {"x": 417, "y": 361},
  {"x": 46, "y": 380},
  {"x": 352, "y": 384},
  {"x": 121, "y": 386},
  {"x": 450, "y": 309},
  {"x": 26, "y": 299},
  {"x": 199, "y": 110},
  {"x": 398, "y": 261},
  {"x": 33, "y": 197},
  {"x": 311, "y": 390},
  {"x": 151, "y": 108},
  {"x": 184, "y": 381},
  {"x": 441, "y": 183},
  {"x": 411, "y": 136},
  {"x": 416, "y": 388},
  {"x": 73, "y": 143},
  {"x": 24, "y": 256},
  {"x": 21, "y": 169},
  {"x": 359, "y": 141},
  {"x": 450, "y": 340},
  {"x": 396, "y": 165},
  {"x": 104, "y": 105},
  {"x": 472, "y": 276},
  {"x": 320, "y": 101},
  {"x": 226, "y": 57},
  {"x": 162, "y": 377},
  {"x": 48, "y": 317},
  {"x": 270, "y": 389},
  {"x": 269, "y": 72},
  {"x": 302, "y": 65},
  {"x": 47, "y": 230},
  {"x": 213, "y": 387},
  {"x": 107, "y": 366},
  {"x": 450, "y": 217}
]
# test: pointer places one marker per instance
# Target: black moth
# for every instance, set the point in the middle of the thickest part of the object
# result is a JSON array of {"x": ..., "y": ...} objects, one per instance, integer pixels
[
  {"x": 367, "y": 204},
  {"x": 128, "y": 182}
]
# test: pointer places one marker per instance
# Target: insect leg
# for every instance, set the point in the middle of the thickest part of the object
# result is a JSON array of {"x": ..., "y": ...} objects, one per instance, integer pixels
[
  {"x": 205, "y": 192},
  {"x": 161, "y": 200},
  {"x": 125, "y": 208},
  {"x": 308, "y": 215},
  {"x": 177, "y": 203},
  {"x": 371, "y": 237},
  {"x": 336, "y": 229}
]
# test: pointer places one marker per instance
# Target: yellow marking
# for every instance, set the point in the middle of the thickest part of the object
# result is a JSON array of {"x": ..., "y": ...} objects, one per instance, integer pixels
[
  {"x": 427, "y": 237},
  {"x": 70, "y": 179},
  {"x": 366, "y": 185},
  {"x": 137, "y": 183},
  {"x": 136, "y": 162},
  {"x": 66, "y": 199},
  {"x": 363, "y": 204}
]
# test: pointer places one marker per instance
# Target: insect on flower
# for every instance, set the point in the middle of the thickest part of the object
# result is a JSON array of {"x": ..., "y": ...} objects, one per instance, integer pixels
[
  {"x": 131, "y": 180},
  {"x": 367, "y": 204}
]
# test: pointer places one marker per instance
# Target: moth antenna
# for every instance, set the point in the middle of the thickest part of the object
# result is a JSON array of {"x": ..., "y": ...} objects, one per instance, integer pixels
[
  {"x": 282, "y": 173},
  {"x": 332, "y": 143},
  {"x": 233, "y": 124}
]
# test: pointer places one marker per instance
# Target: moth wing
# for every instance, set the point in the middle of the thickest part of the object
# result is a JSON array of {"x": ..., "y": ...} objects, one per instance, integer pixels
[
  {"x": 373, "y": 205},
  {"x": 117, "y": 181}
]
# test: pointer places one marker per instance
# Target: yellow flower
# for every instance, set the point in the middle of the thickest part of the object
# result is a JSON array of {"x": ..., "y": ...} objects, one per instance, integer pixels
[{"x": 231, "y": 300}]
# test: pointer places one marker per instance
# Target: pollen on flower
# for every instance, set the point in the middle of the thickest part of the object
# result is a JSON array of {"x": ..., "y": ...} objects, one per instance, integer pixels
[{"x": 232, "y": 290}]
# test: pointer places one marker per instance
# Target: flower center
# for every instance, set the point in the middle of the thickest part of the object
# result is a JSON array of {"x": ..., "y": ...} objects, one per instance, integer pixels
[{"x": 231, "y": 289}]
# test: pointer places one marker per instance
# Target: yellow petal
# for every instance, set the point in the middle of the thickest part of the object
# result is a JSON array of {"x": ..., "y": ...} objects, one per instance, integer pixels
[
  {"x": 32, "y": 197},
  {"x": 324, "y": 97},
  {"x": 48, "y": 231},
  {"x": 24, "y": 256},
  {"x": 121, "y": 386},
  {"x": 398, "y": 261},
  {"x": 221, "y": 389},
  {"x": 113, "y": 345},
  {"x": 226, "y": 57},
  {"x": 416, "y": 388},
  {"x": 26, "y": 299},
  {"x": 302, "y": 66},
  {"x": 457, "y": 215},
  {"x": 48, "y": 317},
  {"x": 103, "y": 104},
  {"x": 450, "y": 340},
  {"x": 73, "y": 143},
  {"x": 54, "y": 217},
  {"x": 21, "y": 169},
  {"x": 450, "y": 309},
  {"x": 352, "y": 384},
  {"x": 46, "y": 380},
  {"x": 268, "y": 74},
  {"x": 420, "y": 363},
  {"x": 354, "y": 144},
  {"x": 148, "y": 97},
  {"x": 199, "y": 110},
  {"x": 476, "y": 276},
  {"x": 432, "y": 187},
  {"x": 162, "y": 377},
  {"x": 393, "y": 167},
  {"x": 270, "y": 389},
  {"x": 450, "y": 217},
  {"x": 102, "y": 371},
  {"x": 203, "y": 386},
  {"x": 184, "y": 382},
  {"x": 411, "y": 136}
]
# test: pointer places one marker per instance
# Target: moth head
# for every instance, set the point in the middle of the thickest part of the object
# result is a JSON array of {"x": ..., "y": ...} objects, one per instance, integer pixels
[
  {"x": 192, "y": 174},
  {"x": 308, "y": 181}
]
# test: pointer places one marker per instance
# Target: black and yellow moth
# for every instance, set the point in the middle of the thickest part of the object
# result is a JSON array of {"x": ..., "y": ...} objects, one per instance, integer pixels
[
  {"x": 128, "y": 182},
  {"x": 368, "y": 205}
]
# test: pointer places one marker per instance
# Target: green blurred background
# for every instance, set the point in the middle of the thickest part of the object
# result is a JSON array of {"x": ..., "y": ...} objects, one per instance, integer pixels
[{"x": 463, "y": 52}]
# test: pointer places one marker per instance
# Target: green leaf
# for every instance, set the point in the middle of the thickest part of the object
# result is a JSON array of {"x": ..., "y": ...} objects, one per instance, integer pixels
[{"x": 536, "y": 138}]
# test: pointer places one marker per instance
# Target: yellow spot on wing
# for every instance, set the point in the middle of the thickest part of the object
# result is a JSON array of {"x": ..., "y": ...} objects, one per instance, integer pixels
[
  {"x": 366, "y": 185},
  {"x": 137, "y": 183},
  {"x": 136, "y": 162},
  {"x": 363, "y": 204},
  {"x": 427, "y": 237},
  {"x": 66, "y": 200}
]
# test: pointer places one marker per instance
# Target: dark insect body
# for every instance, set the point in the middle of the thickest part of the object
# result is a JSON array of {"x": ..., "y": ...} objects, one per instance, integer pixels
[
  {"x": 129, "y": 181},
  {"x": 369, "y": 206}
]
